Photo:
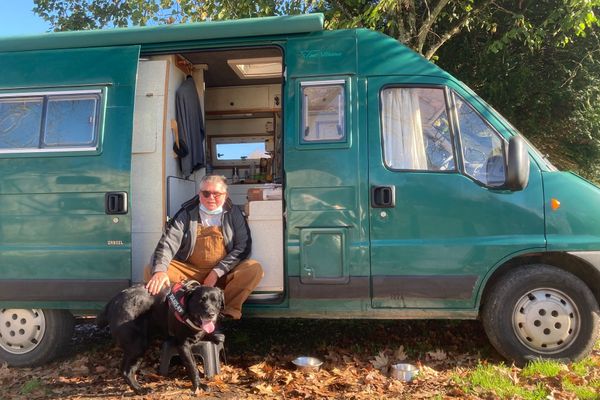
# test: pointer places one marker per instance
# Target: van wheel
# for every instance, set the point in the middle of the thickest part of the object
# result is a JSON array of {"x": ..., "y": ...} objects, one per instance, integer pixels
[
  {"x": 541, "y": 311},
  {"x": 31, "y": 337}
]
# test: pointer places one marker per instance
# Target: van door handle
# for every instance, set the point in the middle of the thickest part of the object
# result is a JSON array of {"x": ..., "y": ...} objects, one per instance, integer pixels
[
  {"x": 383, "y": 196},
  {"x": 115, "y": 202}
]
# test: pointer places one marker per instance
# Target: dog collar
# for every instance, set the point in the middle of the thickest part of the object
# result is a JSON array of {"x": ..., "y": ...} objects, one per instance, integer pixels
[{"x": 176, "y": 298}]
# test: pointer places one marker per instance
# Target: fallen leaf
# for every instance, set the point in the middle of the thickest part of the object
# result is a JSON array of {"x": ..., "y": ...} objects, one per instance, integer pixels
[
  {"x": 399, "y": 354},
  {"x": 424, "y": 370},
  {"x": 381, "y": 361},
  {"x": 437, "y": 355},
  {"x": 265, "y": 389},
  {"x": 259, "y": 370}
]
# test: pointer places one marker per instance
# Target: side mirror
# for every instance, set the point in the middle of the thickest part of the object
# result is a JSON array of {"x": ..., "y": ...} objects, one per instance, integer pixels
[{"x": 517, "y": 171}]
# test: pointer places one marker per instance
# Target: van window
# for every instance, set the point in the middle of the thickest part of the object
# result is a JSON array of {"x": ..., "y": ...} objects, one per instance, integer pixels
[
  {"x": 415, "y": 129},
  {"x": 323, "y": 111},
  {"x": 50, "y": 120},
  {"x": 482, "y": 147}
]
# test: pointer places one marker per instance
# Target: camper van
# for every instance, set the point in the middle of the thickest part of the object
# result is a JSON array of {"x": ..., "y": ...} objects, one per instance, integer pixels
[{"x": 376, "y": 185}]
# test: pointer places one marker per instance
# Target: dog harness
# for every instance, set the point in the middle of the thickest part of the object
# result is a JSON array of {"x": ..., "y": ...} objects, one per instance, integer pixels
[{"x": 176, "y": 298}]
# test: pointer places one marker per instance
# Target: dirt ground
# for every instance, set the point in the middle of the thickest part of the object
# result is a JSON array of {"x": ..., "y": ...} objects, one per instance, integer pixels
[{"x": 356, "y": 354}]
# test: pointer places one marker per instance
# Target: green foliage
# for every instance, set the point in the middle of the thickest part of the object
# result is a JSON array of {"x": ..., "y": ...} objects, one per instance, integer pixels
[
  {"x": 423, "y": 25},
  {"x": 550, "y": 90}
]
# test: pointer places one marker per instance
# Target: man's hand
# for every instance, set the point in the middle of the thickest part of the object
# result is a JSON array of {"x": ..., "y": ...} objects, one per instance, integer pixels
[
  {"x": 156, "y": 283},
  {"x": 211, "y": 279}
]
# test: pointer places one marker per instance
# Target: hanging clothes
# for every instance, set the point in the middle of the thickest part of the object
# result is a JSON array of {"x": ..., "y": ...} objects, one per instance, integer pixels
[{"x": 188, "y": 113}]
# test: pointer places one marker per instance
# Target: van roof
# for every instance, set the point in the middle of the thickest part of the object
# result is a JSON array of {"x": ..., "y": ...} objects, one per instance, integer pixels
[{"x": 248, "y": 27}]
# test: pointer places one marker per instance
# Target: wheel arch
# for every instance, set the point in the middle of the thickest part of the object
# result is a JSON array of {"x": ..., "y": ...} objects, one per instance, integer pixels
[{"x": 577, "y": 266}]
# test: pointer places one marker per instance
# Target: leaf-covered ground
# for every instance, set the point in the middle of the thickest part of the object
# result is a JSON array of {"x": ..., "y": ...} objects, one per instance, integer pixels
[{"x": 454, "y": 358}]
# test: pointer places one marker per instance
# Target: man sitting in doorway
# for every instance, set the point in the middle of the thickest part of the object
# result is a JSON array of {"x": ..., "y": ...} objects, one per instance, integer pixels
[{"x": 209, "y": 241}]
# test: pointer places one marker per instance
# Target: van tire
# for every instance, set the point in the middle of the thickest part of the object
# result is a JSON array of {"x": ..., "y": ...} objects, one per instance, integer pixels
[
  {"x": 541, "y": 311},
  {"x": 40, "y": 335}
]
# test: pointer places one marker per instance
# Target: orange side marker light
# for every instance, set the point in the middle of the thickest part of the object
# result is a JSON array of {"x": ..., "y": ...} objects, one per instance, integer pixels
[{"x": 555, "y": 204}]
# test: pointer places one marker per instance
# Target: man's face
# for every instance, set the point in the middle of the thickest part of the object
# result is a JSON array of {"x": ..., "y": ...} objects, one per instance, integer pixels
[{"x": 212, "y": 195}]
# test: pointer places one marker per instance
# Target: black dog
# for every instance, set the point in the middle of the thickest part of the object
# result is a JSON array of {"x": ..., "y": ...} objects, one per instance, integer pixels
[{"x": 184, "y": 314}]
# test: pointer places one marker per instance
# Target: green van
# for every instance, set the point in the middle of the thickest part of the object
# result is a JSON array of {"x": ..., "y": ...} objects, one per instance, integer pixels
[{"x": 376, "y": 184}]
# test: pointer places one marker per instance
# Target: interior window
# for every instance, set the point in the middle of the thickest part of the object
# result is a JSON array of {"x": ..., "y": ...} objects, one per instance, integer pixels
[
  {"x": 323, "y": 106},
  {"x": 242, "y": 150},
  {"x": 483, "y": 149},
  {"x": 415, "y": 130},
  {"x": 49, "y": 120}
]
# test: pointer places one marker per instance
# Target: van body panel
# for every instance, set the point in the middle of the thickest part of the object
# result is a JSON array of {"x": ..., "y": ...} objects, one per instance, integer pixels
[
  {"x": 574, "y": 226},
  {"x": 168, "y": 34},
  {"x": 321, "y": 54},
  {"x": 54, "y": 225}
]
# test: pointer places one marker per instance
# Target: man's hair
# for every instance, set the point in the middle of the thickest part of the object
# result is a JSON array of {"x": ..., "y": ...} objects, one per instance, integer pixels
[{"x": 215, "y": 179}]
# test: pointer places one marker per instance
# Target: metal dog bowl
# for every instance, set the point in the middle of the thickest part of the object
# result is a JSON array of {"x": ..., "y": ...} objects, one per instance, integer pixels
[
  {"x": 404, "y": 372},
  {"x": 307, "y": 363}
]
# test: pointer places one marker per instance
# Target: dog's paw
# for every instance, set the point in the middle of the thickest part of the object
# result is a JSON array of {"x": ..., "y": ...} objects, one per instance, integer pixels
[
  {"x": 142, "y": 391},
  {"x": 200, "y": 389}
]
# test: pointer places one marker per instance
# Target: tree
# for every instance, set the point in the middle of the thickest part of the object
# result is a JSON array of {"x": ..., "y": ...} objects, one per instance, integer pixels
[
  {"x": 423, "y": 25},
  {"x": 545, "y": 83}
]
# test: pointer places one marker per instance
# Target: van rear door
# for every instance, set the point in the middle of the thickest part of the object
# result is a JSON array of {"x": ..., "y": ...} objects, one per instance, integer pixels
[
  {"x": 66, "y": 120},
  {"x": 440, "y": 220}
]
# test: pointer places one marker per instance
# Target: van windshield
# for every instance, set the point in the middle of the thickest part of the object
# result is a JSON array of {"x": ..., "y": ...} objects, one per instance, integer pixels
[{"x": 538, "y": 154}]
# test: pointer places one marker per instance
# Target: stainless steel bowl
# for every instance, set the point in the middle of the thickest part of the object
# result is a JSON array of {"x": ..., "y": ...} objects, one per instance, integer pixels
[
  {"x": 307, "y": 363},
  {"x": 404, "y": 372}
]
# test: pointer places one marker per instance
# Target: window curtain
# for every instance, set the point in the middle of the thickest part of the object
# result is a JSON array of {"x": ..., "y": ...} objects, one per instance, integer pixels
[{"x": 403, "y": 143}]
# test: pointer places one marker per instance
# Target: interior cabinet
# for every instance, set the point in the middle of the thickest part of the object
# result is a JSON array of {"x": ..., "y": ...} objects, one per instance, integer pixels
[{"x": 240, "y": 98}]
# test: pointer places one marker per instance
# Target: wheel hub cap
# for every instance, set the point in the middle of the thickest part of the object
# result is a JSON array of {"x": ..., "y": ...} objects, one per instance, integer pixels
[
  {"x": 21, "y": 330},
  {"x": 546, "y": 320}
]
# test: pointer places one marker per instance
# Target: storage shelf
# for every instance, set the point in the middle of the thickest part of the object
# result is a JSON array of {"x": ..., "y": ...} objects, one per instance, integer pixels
[{"x": 241, "y": 114}]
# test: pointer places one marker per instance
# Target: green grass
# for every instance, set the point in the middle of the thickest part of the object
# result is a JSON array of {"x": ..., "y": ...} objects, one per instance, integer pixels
[
  {"x": 486, "y": 379},
  {"x": 583, "y": 367},
  {"x": 31, "y": 386},
  {"x": 582, "y": 392},
  {"x": 543, "y": 368}
]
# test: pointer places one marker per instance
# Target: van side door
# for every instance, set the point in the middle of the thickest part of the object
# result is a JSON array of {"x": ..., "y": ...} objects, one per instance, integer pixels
[
  {"x": 440, "y": 219},
  {"x": 327, "y": 254}
]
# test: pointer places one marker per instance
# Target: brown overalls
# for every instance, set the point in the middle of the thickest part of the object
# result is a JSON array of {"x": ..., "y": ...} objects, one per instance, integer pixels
[{"x": 237, "y": 284}]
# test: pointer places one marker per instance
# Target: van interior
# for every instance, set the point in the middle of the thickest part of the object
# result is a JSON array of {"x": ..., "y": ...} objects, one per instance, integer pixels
[{"x": 239, "y": 92}]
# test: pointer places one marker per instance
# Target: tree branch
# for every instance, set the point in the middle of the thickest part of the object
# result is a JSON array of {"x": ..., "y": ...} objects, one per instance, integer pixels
[
  {"x": 343, "y": 9},
  {"x": 449, "y": 34},
  {"x": 428, "y": 23}
]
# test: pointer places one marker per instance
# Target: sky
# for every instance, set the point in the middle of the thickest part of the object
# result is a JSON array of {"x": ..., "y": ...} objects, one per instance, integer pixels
[{"x": 16, "y": 18}]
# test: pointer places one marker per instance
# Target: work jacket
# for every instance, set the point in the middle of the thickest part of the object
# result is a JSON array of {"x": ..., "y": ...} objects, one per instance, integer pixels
[{"x": 179, "y": 238}]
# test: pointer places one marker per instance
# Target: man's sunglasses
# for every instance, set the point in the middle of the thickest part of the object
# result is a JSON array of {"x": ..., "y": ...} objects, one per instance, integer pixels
[{"x": 208, "y": 193}]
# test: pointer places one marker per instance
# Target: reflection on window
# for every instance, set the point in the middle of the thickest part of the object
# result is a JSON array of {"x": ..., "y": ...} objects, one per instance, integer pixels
[
  {"x": 323, "y": 117},
  {"x": 49, "y": 120},
  {"x": 240, "y": 150},
  {"x": 71, "y": 121},
  {"x": 415, "y": 129},
  {"x": 483, "y": 149},
  {"x": 20, "y": 120}
]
